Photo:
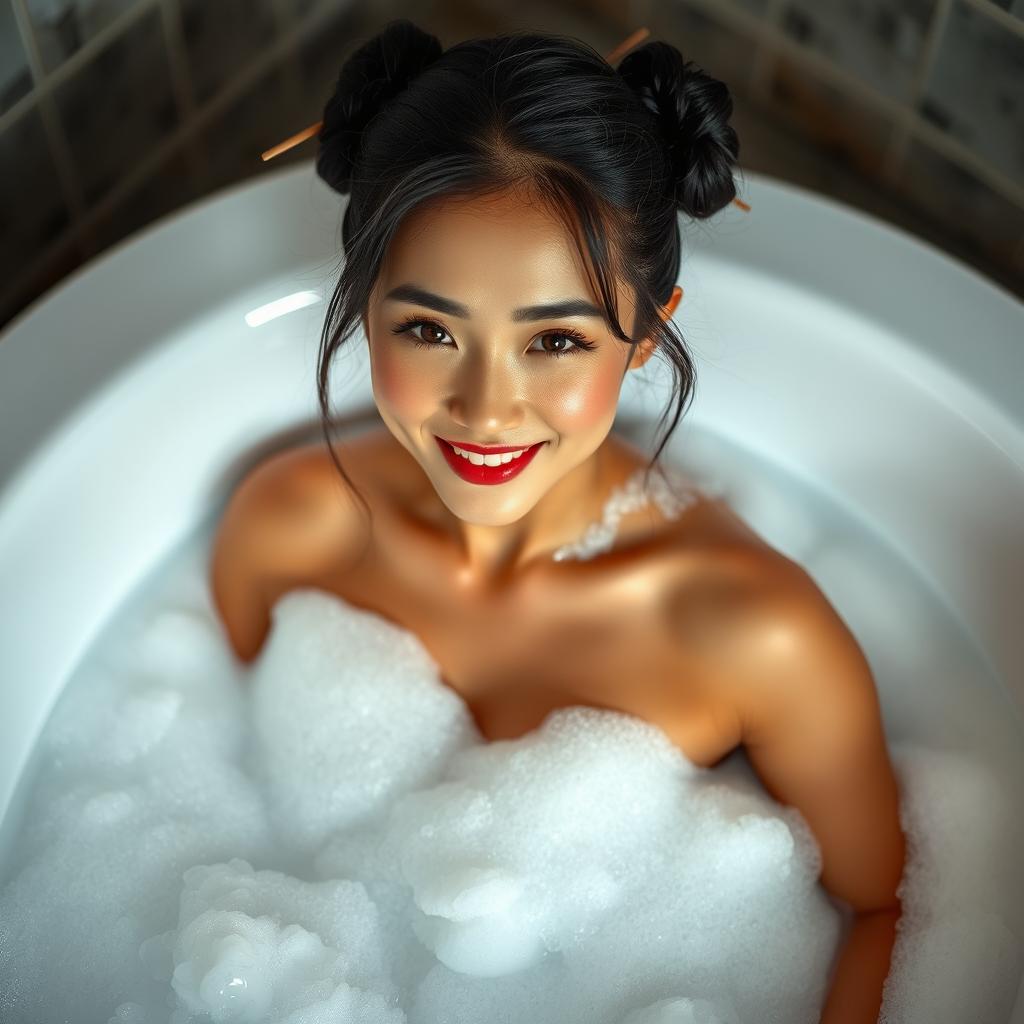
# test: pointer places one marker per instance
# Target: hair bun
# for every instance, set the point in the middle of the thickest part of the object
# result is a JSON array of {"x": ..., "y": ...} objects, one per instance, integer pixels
[
  {"x": 692, "y": 110},
  {"x": 374, "y": 74}
]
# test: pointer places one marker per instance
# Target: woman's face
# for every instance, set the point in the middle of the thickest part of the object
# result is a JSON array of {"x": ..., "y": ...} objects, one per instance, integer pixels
[{"x": 468, "y": 279}]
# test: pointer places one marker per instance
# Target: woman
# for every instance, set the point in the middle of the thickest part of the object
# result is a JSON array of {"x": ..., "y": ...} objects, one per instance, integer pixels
[{"x": 512, "y": 248}]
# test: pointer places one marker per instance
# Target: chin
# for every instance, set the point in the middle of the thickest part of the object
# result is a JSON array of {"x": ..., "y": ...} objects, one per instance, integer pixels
[{"x": 496, "y": 517}]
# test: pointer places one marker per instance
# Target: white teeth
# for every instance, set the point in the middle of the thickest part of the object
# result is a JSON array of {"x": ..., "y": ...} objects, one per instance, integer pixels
[{"x": 489, "y": 460}]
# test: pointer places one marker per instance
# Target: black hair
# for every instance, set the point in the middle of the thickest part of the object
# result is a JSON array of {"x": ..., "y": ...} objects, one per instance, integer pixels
[{"x": 616, "y": 152}]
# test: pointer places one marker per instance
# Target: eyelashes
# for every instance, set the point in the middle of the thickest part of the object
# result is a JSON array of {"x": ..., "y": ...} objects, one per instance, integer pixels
[{"x": 579, "y": 340}]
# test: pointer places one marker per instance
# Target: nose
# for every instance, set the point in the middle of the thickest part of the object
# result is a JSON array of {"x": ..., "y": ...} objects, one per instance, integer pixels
[{"x": 485, "y": 396}]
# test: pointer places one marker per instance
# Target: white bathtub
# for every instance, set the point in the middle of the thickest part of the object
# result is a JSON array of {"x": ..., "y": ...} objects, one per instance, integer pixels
[{"x": 844, "y": 351}]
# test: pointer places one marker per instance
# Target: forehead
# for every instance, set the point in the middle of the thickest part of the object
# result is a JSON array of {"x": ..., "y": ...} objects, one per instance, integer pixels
[{"x": 488, "y": 249}]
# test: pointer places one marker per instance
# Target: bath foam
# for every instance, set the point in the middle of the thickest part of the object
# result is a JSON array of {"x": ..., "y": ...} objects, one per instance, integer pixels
[
  {"x": 348, "y": 712},
  {"x": 531, "y": 853},
  {"x": 234, "y": 957},
  {"x": 585, "y": 872}
]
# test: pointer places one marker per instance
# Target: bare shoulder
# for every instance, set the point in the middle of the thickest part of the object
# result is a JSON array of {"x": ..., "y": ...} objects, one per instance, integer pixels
[
  {"x": 289, "y": 517},
  {"x": 754, "y": 618},
  {"x": 314, "y": 511},
  {"x": 301, "y": 509}
]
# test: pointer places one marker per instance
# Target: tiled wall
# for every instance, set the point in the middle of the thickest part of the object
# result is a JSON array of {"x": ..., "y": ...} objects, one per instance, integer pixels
[{"x": 116, "y": 112}]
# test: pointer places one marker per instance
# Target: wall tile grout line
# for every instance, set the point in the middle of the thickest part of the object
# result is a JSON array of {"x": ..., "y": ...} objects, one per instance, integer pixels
[
  {"x": 106, "y": 35},
  {"x": 1013, "y": 24},
  {"x": 58, "y": 146},
  {"x": 959, "y": 154},
  {"x": 1003, "y": 18},
  {"x": 28, "y": 41},
  {"x": 184, "y": 94},
  {"x": 181, "y": 84},
  {"x": 897, "y": 154},
  {"x": 47, "y": 82},
  {"x": 20, "y": 108}
]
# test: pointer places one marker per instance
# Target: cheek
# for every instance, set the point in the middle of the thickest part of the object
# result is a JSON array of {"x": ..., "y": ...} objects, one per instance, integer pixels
[
  {"x": 587, "y": 402},
  {"x": 399, "y": 382}
]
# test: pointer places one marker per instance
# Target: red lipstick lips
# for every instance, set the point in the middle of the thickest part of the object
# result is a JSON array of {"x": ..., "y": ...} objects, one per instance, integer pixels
[{"x": 487, "y": 474}]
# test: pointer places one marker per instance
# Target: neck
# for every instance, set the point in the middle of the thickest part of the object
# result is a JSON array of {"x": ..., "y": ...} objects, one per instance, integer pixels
[{"x": 490, "y": 556}]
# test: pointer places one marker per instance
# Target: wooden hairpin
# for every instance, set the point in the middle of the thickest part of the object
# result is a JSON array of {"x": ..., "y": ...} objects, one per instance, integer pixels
[{"x": 620, "y": 51}]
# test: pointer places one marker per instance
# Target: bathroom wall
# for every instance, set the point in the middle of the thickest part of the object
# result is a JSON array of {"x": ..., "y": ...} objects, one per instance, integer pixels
[{"x": 114, "y": 113}]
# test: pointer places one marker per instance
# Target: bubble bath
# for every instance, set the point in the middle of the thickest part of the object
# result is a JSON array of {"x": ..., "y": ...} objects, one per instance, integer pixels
[{"x": 324, "y": 836}]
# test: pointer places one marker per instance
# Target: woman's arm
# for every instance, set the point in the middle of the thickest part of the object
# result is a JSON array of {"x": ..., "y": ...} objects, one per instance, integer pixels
[{"x": 813, "y": 732}]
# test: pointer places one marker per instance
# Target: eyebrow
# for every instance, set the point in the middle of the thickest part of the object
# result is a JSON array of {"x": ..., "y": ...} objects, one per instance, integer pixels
[{"x": 543, "y": 311}]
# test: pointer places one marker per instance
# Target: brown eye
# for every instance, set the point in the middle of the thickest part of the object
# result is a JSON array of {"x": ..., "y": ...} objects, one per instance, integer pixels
[
  {"x": 434, "y": 337},
  {"x": 412, "y": 327},
  {"x": 569, "y": 342},
  {"x": 566, "y": 344}
]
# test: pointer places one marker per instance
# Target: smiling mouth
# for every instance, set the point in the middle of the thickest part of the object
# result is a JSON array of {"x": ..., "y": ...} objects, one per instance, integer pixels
[
  {"x": 467, "y": 449},
  {"x": 479, "y": 468},
  {"x": 492, "y": 457}
]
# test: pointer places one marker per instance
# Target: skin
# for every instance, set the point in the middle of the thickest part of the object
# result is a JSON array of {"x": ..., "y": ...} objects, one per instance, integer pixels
[
  {"x": 493, "y": 381},
  {"x": 705, "y": 630}
]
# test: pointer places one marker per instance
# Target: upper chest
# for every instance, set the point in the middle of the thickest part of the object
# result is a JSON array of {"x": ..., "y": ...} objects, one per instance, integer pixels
[{"x": 600, "y": 633}]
